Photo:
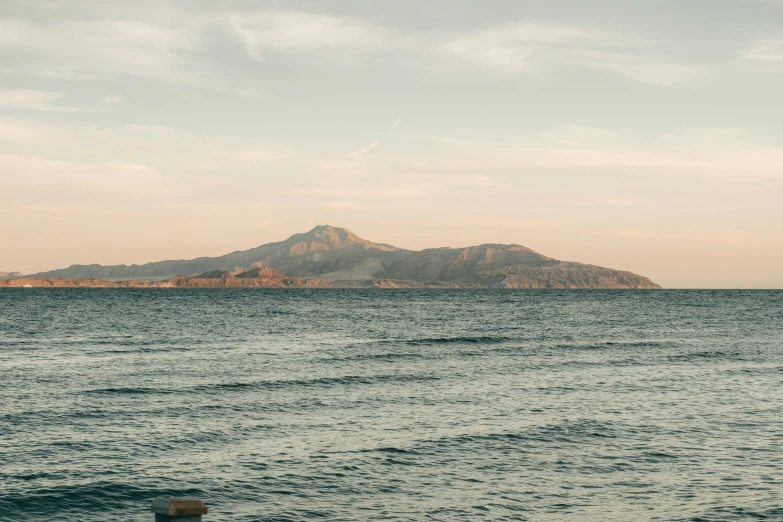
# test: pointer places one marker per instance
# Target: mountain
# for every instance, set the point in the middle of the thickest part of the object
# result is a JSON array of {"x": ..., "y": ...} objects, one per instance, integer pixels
[
  {"x": 340, "y": 257},
  {"x": 10, "y": 275}
]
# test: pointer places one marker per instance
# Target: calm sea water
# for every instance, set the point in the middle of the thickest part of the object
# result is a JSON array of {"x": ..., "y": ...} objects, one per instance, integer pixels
[{"x": 392, "y": 405}]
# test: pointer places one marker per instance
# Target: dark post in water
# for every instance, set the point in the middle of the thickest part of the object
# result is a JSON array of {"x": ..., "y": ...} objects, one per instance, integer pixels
[{"x": 178, "y": 509}]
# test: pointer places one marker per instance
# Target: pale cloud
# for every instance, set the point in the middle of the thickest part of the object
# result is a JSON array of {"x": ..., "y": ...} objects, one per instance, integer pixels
[
  {"x": 641, "y": 68},
  {"x": 528, "y": 48},
  {"x": 766, "y": 51},
  {"x": 542, "y": 49},
  {"x": 396, "y": 122},
  {"x": 30, "y": 166},
  {"x": 358, "y": 154},
  {"x": 97, "y": 48},
  {"x": 617, "y": 202},
  {"x": 293, "y": 31},
  {"x": 39, "y": 180},
  {"x": 720, "y": 139},
  {"x": 157, "y": 131},
  {"x": 348, "y": 205},
  {"x": 199, "y": 152},
  {"x": 169, "y": 48},
  {"x": 662, "y": 74},
  {"x": 571, "y": 135},
  {"x": 48, "y": 101},
  {"x": 491, "y": 55},
  {"x": 249, "y": 39},
  {"x": 112, "y": 99},
  {"x": 31, "y": 100},
  {"x": 377, "y": 189},
  {"x": 20, "y": 132},
  {"x": 255, "y": 156},
  {"x": 710, "y": 153},
  {"x": 751, "y": 163},
  {"x": 514, "y": 48},
  {"x": 723, "y": 237},
  {"x": 338, "y": 166},
  {"x": 172, "y": 151}
]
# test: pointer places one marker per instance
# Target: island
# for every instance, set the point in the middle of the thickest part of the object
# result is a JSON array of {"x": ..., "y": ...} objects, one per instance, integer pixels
[{"x": 333, "y": 257}]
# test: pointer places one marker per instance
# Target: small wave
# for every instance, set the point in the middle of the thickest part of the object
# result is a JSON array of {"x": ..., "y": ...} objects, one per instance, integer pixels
[
  {"x": 737, "y": 513},
  {"x": 658, "y": 456},
  {"x": 390, "y": 449},
  {"x": 755, "y": 371},
  {"x": 457, "y": 340},
  {"x": 35, "y": 476},
  {"x": 686, "y": 357},
  {"x": 129, "y": 391},
  {"x": 615, "y": 345},
  {"x": 376, "y": 357},
  {"x": 132, "y": 351},
  {"x": 323, "y": 382},
  {"x": 564, "y": 432}
]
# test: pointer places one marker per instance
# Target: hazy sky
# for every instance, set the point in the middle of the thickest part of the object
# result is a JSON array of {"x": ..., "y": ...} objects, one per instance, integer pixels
[{"x": 640, "y": 135}]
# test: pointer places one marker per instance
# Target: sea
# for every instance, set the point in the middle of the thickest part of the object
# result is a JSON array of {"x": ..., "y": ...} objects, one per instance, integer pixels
[{"x": 342, "y": 405}]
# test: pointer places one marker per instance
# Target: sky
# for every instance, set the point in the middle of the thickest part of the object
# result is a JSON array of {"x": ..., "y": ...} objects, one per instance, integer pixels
[{"x": 645, "y": 136}]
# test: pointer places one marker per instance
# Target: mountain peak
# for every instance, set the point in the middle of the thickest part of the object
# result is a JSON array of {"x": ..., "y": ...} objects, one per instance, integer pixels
[
  {"x": 321, "y": 228},
  {"x": 330, "y": 232},
  {"x": 328, "y": 237}
]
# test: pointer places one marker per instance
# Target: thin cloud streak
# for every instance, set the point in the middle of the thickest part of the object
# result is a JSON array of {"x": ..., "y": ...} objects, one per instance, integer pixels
[{"x": 359, "y": 153}]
